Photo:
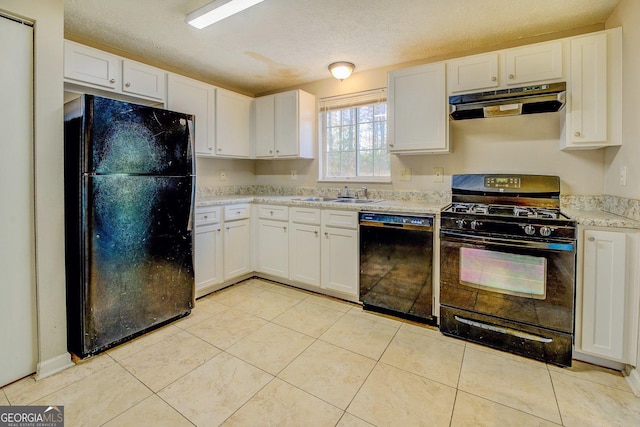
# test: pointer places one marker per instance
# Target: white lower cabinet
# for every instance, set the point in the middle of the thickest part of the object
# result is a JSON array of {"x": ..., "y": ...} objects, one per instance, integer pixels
[
  {"x": 207, "y": 248},
  {"x": 340, "y": 252},
  {"x": 273, "y": 241},
  {"x": 304, "y": 246},
  {"x": 608, "y": 295},
  {"x": 237, "y": 241}
]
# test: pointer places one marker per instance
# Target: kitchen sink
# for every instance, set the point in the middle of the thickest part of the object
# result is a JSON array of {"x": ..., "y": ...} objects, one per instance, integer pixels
[
  {"x": 318, "y": 199},
  {"x": 357, "y": 200}
]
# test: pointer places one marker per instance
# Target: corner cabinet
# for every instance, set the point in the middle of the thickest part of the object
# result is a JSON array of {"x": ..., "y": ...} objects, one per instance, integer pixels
[
  {"x": 594, "y": 105},
  {"x": 418, "y": 110},
  {"x": 232, "y": 124},
  {"x": 285, "y": 125},
  {"x": 607, "y": 296},
  {"x": 197, "y": 98}
]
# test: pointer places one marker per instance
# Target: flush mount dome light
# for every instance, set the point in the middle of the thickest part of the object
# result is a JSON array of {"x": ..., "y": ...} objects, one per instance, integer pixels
[
  {"x": 341, "y": 70},
  {"x": 217, "y": 10}
]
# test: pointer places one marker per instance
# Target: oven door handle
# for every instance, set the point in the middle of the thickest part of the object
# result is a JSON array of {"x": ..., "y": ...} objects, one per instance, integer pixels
[{"x": 476, "y": 239}]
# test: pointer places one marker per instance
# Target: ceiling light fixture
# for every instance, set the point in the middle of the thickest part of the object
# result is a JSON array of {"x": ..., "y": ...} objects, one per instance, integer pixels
[
  {"x": 217, "y": 10},
  {"x": 341, "y": 70}
]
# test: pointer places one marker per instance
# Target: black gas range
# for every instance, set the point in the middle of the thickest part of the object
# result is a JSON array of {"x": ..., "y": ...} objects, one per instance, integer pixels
[{"x": 507, "y": 262}]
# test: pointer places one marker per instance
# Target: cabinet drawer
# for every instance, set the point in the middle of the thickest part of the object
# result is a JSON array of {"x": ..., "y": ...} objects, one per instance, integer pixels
[
  {"x": 208, "y": 215},
  {"x": 305, "y": 215},
  {"x": 342, "y": 219},
  {"x": 233, "y": 212},
  {"x": 278, "y": 213}
]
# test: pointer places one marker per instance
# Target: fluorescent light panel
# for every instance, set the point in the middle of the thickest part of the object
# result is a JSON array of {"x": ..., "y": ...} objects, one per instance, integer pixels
[{"x": 217, "y": 11}]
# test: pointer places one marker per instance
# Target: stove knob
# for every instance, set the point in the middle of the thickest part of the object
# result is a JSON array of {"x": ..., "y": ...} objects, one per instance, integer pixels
[
  {"x": 475, "y": 224},
  {"x": 460, "y": 223},
  {"x": 545, "y": 231},
  {"x": 530, "y": 230}
]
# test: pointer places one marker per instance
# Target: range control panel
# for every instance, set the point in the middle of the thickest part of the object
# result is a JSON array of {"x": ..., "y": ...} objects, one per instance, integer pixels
[{"x": 502, "y": 181}]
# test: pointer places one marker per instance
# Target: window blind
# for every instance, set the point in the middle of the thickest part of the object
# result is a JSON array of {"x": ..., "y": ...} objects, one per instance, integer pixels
[{"x": 351, "y": 100}]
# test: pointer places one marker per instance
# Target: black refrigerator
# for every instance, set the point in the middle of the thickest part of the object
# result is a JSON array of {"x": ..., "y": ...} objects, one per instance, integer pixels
[{"x": 129, "y": 195}]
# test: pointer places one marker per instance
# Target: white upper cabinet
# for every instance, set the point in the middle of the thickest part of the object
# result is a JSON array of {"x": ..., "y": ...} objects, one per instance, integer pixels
[
  {"x": 417, "y": 110},
  {"x": 540, "y": 62},
  {"x": 193, "y": 97},
  {"x": 285, "y": 125},
  {"x": 594, "y": 108},
  {"x": 87, "y": 66},
  {"x": 92, "y": 66},
  {"x": 473, "y": 73},
  {"x": 233, "y": 124},
  {"x": 142, "y": 80}
]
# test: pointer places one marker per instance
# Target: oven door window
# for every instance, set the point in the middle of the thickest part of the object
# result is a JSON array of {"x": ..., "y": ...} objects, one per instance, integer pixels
[{"x": 507, "y": 273}]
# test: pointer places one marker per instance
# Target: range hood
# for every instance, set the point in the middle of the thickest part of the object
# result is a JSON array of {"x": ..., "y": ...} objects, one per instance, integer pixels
[{"x": 544, "y": 98}]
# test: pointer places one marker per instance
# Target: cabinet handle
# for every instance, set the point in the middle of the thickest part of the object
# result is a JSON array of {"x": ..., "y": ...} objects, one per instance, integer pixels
[
  {"x": 576, "y": 134},
  {"x": 591, "y": 239},
  {"x": 112, "y": 81},
  {"x": 127, "y": 84},
  {"x": 277, "y": 151},
  {"x": 494, "y": 78},
  {"x": 270, "y": 151},
  {"x": 210, "y": 149},
  {"x": 390, "y": 144},
  {"x": 511, "y": 76},
  {"x": 285, "y": 229},
  {"x": 206, "y": 217},
  {"x": 326, "y": 234},
  {"x": 271, "y": 213},
  {"x": 316, "y": 233},
  {"x": 219, "y": 149}
]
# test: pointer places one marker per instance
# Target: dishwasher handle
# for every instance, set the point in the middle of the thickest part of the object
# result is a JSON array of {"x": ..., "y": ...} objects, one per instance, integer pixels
[{"x": 397, "y": 226}]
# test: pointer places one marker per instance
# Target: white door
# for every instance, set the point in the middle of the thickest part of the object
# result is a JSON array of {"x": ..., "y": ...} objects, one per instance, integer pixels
[
  {"x": 273, "y": 247},
  {"x": 340, "y": 261},
  {"x": 18, "y": 333}
]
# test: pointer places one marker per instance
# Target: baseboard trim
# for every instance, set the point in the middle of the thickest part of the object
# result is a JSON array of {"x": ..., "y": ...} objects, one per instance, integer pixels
[
  {"x": 53, "y": 365},
  {"x": 632, "y": 375}
]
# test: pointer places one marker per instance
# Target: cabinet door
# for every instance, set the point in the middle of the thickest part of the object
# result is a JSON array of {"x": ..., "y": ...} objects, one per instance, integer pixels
[
  {"x": 340, "y": 261},
  {"x": 88, "y": 65},
  {"x": 143, "y": 80},
  {"x": 304, "y": 253},
  {"x": 417, "y": 110},
  {"x": 265, "y": 125},
  {"x": 589, "y": 97},
  {"x": 603, "y": 294},
  {"x": 207, "y": 256},
  {"x": 286, "y": 124},
  {"x": 233, "y": 123},
  {"x": 237, "y": 248},
  {"x": 540, "y": 62},
  {"x": 193, "y": 97},
  {"x": 273, "y": 247},
  {"x": 472, "y": 73}
]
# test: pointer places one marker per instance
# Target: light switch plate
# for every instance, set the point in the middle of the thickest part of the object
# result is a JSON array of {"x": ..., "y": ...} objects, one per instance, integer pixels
[
  {"x": 223, "y": 175},
  {"x": 294, "y": 174}
]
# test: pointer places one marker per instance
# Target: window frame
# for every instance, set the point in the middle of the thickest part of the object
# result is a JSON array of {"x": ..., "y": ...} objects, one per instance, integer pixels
[{"x": 353, "y": 100}]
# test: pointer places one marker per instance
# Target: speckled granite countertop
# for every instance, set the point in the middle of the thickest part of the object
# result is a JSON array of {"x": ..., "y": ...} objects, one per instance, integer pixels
[
  {"x": 600, "y": 218},
  {"x": 587, "y": 215},
  {"x": 394, "y": 206}
]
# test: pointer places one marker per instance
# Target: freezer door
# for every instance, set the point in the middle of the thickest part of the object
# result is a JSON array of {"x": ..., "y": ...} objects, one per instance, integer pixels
[
  {"x": 126, "y": 138},
  {"x": 138, "y": 270}
]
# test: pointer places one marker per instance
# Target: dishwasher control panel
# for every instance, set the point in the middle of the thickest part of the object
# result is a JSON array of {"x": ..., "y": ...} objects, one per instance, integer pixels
[{"x": 397, "y": 219}]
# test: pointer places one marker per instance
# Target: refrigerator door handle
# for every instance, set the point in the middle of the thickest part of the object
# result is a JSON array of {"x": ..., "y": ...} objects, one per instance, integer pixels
[{"x": 193, "y": 175}]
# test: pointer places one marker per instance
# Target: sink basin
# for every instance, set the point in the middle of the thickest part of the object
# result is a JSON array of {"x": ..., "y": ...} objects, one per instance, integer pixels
[
  {"x": 318, "y": 199},
  {"x": 356, "y": 201}
]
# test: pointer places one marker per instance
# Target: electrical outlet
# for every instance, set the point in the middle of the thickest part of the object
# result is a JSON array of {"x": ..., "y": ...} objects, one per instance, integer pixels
[
  {"x": 623, "y": 176},
  {"x": 223, "y": 175},
  {"x": 294, "y": 175},
  {"x": 438, "y": 174},
  {"x": 405, "y": 174}
]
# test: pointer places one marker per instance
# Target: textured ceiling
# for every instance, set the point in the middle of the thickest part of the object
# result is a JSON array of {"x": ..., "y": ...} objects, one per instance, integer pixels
[{"x": 282, "y": 43}]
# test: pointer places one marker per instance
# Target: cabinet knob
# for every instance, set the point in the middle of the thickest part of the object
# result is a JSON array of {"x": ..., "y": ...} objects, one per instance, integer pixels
[
  {"x": 271, "y": 212},
  {"x": 494, "y": 78},
  {"x": 210, "y": 149},
  {"x": 326, "y": 234},
  {"x": 112, "y": 81},
  {"x": 576, "y": 134},
  {"x": 127, "y": 84},
  {"x": 277, "y": 151},
  {"x": 390, "y": 144},
  {"x": 511, "y": 76},
  {"x": 591, "y": 239},
  {"x": 316, "y": 233},
  {"x": 284, "y": 228},
  {"x": 206, "y": 217},
  {"x": 270, "y": 151},
  {"x": 219, "y": 149}
]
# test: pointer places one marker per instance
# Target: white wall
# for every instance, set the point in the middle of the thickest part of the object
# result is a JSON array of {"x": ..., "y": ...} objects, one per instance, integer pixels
[
  {"x": 49, "y": 187},
  {"x": 627, "y": 15}
]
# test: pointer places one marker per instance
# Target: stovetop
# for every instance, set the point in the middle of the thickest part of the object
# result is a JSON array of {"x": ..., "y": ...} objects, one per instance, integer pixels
[{"x": 505, "y": 210}]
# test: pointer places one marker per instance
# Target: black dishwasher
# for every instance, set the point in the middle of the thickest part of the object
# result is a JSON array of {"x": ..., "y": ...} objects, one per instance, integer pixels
[{"x": 396, "y": 259}]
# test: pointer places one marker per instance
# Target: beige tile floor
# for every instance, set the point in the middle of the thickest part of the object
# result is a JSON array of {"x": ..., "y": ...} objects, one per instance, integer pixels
[{"x": 263, "y": 354}]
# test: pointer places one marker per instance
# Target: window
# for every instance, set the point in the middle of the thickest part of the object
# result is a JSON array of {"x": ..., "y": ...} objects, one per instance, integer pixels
[{"x": 355, "y": 137}]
